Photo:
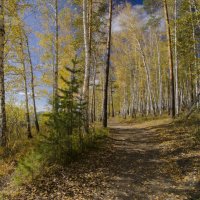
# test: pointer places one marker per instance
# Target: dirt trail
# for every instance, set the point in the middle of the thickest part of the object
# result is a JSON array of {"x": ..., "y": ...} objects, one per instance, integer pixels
[
  {"x": 138, "y": 162},
  {"x": 153, "y": 164}
]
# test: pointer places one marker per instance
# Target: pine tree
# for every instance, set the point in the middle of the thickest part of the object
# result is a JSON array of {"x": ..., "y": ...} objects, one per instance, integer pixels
[{"x": 69, "y": 119}]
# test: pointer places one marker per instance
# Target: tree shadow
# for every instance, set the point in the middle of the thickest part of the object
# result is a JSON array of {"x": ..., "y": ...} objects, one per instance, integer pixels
[{"x": 150, "y": 168}]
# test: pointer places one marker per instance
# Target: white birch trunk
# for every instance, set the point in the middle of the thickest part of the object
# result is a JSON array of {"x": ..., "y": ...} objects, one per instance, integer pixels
[{"x": 176, "y": 59}]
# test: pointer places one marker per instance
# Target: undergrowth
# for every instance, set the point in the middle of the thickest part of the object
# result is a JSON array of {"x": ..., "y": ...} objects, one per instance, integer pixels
[
  {"x": 49, "y": 151},
  {"x": 191, "y": 125}
]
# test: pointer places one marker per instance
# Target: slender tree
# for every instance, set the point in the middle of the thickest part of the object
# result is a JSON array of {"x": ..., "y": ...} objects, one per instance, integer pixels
[
  {"x": 3, "y": 138},
  {"x": 159, "y": 75},
  {"x": 32, "y": 85},
  {"x": 147, "y": 70},
  {"x": 22, "y": 57},
  {"x": 194, "y": 38},
  {"x": 55, "y": 81},
  {"x": 93, "y": 98},
  {"x": 111, "y": 98},
  {"x": 87, "y": 62},
  {"x": 106, "y": 81},
  {"x": 170, "y": 55},
  {"x": 176, "y": 58}
]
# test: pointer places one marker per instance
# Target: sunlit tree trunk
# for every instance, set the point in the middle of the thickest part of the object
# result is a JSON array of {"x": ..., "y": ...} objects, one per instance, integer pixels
[
  {"x": 55, "y": 81},
  {"x": 32, "y": 85},
  {"x": 91, "y": 61},
  {"x": 106, "y": 82},
  {"x": 87, "y": 64},
  {"x": 3, "y": 136},
  {"x": 90, "y": 25},
  {"x": 124, "y": 105},
  {"x": 169, "y": 102},
  {"x": 102, "y": 95},
  {"x": 191, "y": 91},
  {"x": 181, "y": 99},
  {"x": 176, "y": 59},
  {"x": 149, "y": 88},
  {"x": 86, "y": 47},
  {"x": 112, "y": 100},
  {"x": 170, "y": 57},
  {"x": 132, "y": 93},
  {"x": 93, "y": 96},
  {"x": 159, "y": 77},
  {"x": 109, "y": 102},
  {"x": 28, "y": 121},
  {"x": 150, "y": 67},
  {"x": 196, "y": 68}
]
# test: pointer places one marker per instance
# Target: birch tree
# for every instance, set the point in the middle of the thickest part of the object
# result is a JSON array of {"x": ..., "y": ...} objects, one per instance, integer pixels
[
  {"x": 176, "y": 58},
  {"x": 24, "y": 74},
  {"x": 55, "y": 81},
  {"x": 32, "y": 83},
  {"x": 87, "y": 62},
  {"x": 49, "y": 39}
]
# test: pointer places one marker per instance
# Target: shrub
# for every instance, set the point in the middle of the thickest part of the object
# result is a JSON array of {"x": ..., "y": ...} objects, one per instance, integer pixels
[{"x": 29, "y": 167}]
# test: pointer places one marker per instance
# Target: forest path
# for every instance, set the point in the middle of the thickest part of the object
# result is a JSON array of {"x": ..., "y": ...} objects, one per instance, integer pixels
[
  {"x": 145, "y": 161},
  {"x": 150, "y": 163}
]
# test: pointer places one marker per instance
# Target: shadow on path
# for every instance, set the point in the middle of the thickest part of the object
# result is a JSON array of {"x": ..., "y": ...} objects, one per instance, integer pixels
[{"x": 148, "y": 165}]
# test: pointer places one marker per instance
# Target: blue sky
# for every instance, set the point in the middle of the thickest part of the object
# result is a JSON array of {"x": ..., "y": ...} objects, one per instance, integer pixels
[
  {"x": 33, "y": 22},
  {"x": 136, "y": 1}
]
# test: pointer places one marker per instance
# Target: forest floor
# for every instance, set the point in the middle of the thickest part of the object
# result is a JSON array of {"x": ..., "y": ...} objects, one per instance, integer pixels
[{"x": 144, "y": 161}]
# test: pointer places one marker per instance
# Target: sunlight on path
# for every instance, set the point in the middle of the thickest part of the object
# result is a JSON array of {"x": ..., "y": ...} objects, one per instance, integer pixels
[{"x": 146, "y": 166}]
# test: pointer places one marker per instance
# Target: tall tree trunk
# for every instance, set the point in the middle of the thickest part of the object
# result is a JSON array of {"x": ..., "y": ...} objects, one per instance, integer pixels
[
  {"x": 124, "y": 107},
  {"x": 192, "y": 4},
  {"x": 87, "y": 64},
  {"x": 28, "y": 122},
  {"x": 3, "y": 136},
  {"x": 191, "y": 85},
  {"x": 168, "y": 93},
  {"x": 176, "y": 59},
  {"x": 86, "y": 46},
  {"x": 32, "y": 86},
  {"x": 93, "y": 100},
  {"x": 159, "y": 77},
  {"x": 55, "y": 81},
  {"x": 105, "y": 100},
  {"x": 149, "y": 87},
  {"x": 90, "y": 23},
  {"x": 90, "y": 27},
  {"x": 109, "y": 102},
  {"x": 170, "y": 55},
  {"x": 133, "y": 92},
  {"x": 111, "y": 97}
]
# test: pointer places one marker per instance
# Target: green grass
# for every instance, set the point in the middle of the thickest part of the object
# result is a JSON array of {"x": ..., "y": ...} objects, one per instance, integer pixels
[{"x": 47, "y": 152}]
